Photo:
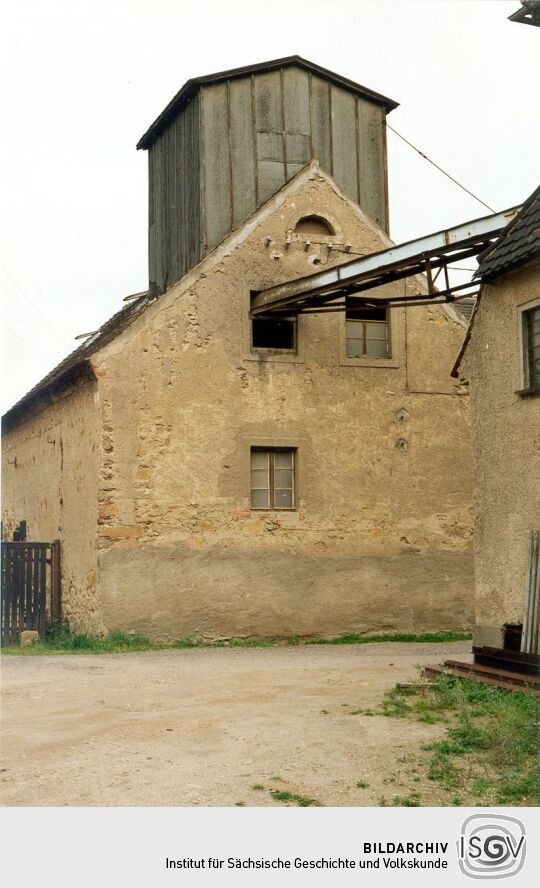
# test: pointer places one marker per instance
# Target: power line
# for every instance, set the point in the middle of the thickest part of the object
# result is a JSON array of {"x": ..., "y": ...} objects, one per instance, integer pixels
[
  {"x": 61, "y": 336},
  {"x": 437, "y": 167},
  {"x": 31, "y": 346}
]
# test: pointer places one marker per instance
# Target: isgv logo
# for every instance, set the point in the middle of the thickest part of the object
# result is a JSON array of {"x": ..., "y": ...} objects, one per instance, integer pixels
[{"x": 491, "y": 846}]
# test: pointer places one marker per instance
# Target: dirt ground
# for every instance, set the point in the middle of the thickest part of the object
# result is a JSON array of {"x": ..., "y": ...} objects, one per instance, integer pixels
[{"x": 202, "y": 727}]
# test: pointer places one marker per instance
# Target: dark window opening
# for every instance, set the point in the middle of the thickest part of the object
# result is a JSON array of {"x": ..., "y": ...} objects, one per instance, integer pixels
[
  {"x": 19, "y": 534},
  {"x": 273, "y": 333},
  {"x": 314, "y": 225},
  {"x": 366, "y": 330}
]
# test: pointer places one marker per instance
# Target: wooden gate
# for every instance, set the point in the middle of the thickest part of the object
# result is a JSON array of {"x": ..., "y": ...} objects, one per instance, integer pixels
[{"x": 30, "y": 587}]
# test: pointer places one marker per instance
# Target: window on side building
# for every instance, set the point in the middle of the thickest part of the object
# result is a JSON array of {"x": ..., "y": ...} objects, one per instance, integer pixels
[
  {"x": 366, "y": 330},
  {"x": 531, "y": 348},
  {"x": 273, "y": 478}
]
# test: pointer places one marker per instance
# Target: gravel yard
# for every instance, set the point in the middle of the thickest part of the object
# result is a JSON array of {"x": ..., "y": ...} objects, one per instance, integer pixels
[{"x": 207, "y": 726}]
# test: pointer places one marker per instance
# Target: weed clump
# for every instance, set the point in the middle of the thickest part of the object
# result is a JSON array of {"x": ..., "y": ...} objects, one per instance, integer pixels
[
  {"x": 283, "y": 795},
  {"x": 408, "y": 801}
]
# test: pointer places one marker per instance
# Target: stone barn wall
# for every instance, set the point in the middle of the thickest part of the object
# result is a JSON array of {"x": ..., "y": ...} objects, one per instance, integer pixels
[
  {"x": 380, "y": 539},
  {"x": 50, "y": 480}
]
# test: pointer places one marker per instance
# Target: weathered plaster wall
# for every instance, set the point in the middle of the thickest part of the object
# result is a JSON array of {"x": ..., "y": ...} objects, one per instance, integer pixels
[
  {"x": 506, "y": 448},
  {"x": 49, "y": 479},
  {"x": 381, "y": 536}
]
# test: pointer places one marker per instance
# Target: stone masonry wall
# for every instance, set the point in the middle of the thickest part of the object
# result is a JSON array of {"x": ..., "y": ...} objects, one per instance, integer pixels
[
  {"x": 381, "y": 536},
  {"x": 50, "y": 480}
]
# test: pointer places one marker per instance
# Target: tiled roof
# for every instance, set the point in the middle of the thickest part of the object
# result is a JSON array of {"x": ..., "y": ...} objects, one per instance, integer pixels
[{"x": 518, "y": 244}]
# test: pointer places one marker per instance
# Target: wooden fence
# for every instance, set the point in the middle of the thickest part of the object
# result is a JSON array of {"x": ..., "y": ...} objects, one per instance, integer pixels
[{"x": 31, "y": 593}]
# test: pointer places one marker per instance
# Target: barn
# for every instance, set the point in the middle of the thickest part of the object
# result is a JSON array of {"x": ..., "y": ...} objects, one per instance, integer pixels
[{"x": 211, "y": 472}]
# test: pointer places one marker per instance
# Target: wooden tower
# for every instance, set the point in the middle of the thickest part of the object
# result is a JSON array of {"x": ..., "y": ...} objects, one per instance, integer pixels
[{"x": 227, "y": 142}]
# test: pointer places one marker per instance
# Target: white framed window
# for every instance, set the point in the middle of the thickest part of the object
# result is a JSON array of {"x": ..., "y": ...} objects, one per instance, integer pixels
[
  {"x": 367, "y": 331},
  {"x": 273, "y": 483}
]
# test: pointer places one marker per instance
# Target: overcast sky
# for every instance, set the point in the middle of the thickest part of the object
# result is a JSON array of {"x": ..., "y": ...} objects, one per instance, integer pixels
[{"x": 84, "y": 81}]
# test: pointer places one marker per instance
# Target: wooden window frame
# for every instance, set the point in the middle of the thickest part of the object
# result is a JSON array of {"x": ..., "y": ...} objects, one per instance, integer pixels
[
  {"x": 271, "y": 470},
  {"x": 527, "y": 389},
  {"x": 365, "y": 353}
]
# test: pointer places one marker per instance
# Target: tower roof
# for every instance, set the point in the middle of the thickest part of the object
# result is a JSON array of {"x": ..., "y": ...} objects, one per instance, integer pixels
[{"x": 189, "y": 89}]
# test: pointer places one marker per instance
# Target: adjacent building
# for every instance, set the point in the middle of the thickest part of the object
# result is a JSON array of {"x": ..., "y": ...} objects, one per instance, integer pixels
[{"x": 501, "y": 360}]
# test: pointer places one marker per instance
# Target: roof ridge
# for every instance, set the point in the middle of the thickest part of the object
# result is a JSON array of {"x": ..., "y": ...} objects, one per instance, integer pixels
[{"x": 191, "y": 87}]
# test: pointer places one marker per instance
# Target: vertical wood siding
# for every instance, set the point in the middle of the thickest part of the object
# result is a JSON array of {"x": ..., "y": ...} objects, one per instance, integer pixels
[
  {"x": 236, "y": 143},
  {"x": 174, "y": 238},
  {"x": 243, "y": 162},
  {"x": 269, "y": 135},
  {"x": 218, "y": 191},
  {"x": 172, "y": 205},
  {"x": 372, "y": 161},
  {"x": 191, "y": 243},
  {"x": 152, "y": 273},
  {"x": 321, "y": 132},
  {"x": 344, "y": 141},
  {"x": 297, "y": 120}
]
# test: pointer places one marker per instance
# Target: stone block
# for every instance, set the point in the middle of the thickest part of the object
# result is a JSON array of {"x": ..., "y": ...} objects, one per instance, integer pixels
[{"x": 28, "y": 637}]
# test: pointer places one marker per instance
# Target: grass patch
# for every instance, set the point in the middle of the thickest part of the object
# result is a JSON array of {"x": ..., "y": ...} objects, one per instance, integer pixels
[
  {"x": 182, "y": 643},
  {"x": 258, "y": 787},
  {"x": 408, "y": 801},
  {"x": 490, "y": 749},
  {"x": 425, "y": 638},
  {"x": 61, "y": 641},
  {"x": 361, "y": 784},
  {"x": 283, "y": 795},
  {"x": 65, "y": 643}
]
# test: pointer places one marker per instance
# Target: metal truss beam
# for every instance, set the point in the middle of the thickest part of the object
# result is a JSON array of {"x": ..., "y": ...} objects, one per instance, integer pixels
[{"x": 434, "y": 252}]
